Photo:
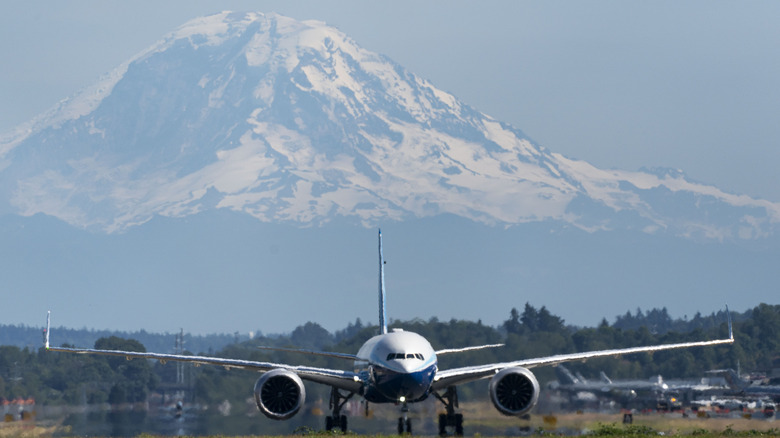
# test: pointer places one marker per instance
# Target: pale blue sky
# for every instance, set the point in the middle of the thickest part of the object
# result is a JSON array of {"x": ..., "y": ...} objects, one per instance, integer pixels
[{"x": 693, "y": 85}]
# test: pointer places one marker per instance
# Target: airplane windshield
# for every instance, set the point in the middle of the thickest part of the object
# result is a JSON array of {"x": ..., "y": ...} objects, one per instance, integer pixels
[{"x": 399, "y": 356}]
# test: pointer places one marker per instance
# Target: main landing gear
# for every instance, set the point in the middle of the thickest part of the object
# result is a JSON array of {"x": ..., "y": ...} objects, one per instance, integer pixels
[
  {"x": 337, "y": 401},
  {"x": 450, "y": 419}
]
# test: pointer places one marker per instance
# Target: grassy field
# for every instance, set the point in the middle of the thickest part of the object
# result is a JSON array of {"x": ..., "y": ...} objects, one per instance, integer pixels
[
  {"x": 655, "y": 424},
  {"x": 486, "y": 422}
]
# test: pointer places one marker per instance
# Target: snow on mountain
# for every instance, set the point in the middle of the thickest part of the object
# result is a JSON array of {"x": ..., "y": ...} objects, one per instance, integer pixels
[{"x": 292, "y": 121}]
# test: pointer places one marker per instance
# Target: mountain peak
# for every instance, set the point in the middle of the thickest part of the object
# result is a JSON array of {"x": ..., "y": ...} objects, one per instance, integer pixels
[{"x": 292, "y": 121}]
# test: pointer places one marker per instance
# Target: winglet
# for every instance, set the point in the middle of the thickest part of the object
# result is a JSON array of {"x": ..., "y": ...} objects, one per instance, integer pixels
[
  {"x": 731, "y": 330},
  {"x": 382, "y": 314},
  {"x": 46, "y": 330}
]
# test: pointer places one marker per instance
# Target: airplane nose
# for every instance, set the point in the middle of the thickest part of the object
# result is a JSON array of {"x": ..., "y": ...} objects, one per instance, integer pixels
[{"x": 412, "y": 386}]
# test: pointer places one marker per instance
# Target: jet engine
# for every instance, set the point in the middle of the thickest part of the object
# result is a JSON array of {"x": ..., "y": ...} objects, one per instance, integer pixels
[
  {"x": 279, "y": 394},
  {"x": 514, "y": 391}
]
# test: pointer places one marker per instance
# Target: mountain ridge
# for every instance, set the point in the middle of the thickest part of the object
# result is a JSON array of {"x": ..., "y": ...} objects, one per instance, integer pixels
[{"x": 292, "y": 121}]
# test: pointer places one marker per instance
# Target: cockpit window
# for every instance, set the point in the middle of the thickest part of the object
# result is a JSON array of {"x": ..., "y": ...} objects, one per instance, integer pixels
[{"x": 399, "y": 356}]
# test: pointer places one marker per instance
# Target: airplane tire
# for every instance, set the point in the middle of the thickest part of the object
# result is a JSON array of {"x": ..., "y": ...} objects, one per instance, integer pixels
[
  {"x": 400, "y": 426},
  {"x": 458, "y": 424},
  {"x": 442, "y": 424},
  {"x": 409, "y": 426},
  {"x": 328, "y": 423},
  {"x": 343, "y": 423}
]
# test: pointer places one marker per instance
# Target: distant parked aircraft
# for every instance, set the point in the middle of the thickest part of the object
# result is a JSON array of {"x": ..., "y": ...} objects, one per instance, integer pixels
[
  {"x": 619, "y": 391},
  {"x": 393, "y": 367},
  {"x": 744, "y": 388},
  {"x": 654, "y": 392}
]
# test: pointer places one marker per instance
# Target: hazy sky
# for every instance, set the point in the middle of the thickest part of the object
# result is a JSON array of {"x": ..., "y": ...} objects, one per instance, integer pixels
[{"x": 693, "y": 85}]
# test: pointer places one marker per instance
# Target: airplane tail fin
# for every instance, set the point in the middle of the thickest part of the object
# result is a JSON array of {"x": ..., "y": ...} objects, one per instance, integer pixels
[
  {"x": 604, "y": 378},
  {"x": 733, "y": 379},
  {"x": 382, "y": 314},
  {"x": 565, "y": 376}
]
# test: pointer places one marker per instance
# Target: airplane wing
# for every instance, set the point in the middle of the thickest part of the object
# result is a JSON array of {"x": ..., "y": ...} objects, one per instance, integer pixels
[
  {"x": 457, "y": 376},
  {"x": 312, "y": 352},
  {"x": 341, "y": 379},
  {"x": 464, "y": 349}
]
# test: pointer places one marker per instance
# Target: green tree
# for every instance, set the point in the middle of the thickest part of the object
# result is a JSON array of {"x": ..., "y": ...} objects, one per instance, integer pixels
[
  {"x": 311, "y": 335},
  {"x": 513, "y": 325},
  {"x": 132, "y": 379}
]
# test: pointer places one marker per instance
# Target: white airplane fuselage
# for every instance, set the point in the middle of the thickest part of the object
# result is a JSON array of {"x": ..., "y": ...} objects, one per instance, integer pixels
[{"x": 398, "y": 367}]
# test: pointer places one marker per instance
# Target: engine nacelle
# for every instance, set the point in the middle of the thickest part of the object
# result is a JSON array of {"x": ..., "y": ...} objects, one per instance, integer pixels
[
  {"x": 514, "y": 391},
  {"x": 279, "y": 394}
]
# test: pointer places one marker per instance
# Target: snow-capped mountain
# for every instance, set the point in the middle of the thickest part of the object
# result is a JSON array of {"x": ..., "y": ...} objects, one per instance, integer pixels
[{"x": 292, "y": 121}]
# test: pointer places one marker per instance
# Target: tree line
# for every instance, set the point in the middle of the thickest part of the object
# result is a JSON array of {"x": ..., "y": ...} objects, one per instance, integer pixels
[
  {"x": 61, "y": 378},
  {"x": 31, "y": 337}
]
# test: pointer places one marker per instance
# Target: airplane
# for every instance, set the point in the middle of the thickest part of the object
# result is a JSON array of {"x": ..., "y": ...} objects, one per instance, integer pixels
[
  {"x": 740, "y": 387},
  {"x": 654, "y": 392},
  {"x": 624, "y": 393},
  {"x": 395, "y": 366}
]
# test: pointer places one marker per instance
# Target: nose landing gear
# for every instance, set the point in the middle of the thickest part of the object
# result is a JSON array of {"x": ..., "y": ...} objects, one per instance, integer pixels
[{"x": 404, "y": 422}]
